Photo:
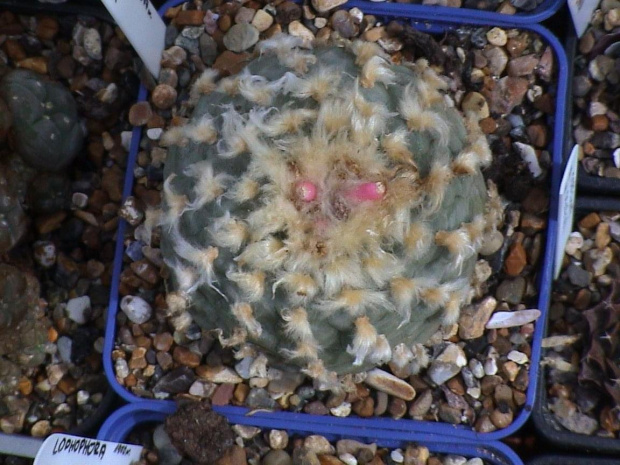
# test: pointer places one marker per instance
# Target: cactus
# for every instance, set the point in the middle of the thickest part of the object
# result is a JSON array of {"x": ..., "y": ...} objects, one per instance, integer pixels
[
  {"x": 13, "y": 220},
  {"x": 325, "y": 205},
  {"x": 44, "y": 123},
  {"x": 600, "y": 368},
  {"x": 23, "y": 326}
]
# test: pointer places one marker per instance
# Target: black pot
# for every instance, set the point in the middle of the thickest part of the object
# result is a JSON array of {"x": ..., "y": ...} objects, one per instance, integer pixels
[
  {"x": 570, "y": 460},
  {"x": 547, "y": 426}
]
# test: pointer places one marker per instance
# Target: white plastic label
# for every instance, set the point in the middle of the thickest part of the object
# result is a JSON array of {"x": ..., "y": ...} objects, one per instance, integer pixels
[
  {"x": 581, "y": 11},
  {"x": 566, "y": 209},
  {"x": 146, "y": 31},
  {"x": 63, "y": 449}
]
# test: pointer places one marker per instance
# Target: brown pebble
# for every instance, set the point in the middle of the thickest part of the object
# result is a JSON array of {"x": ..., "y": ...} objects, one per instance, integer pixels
[
  {"x": 582, "y": 299},
  {"x": 397, "y": 408},
  {"x": 590, "y": 221},
  {"x": 241, "y": 393},
  {"x": 600, "y": 123},
  {"x": 488, "y": 125},
  {"x": 516, "y": 260},
  {"x": 234, "y": 456},
  {"x": 164, "y": 359},
  {"x": 501, "y": 417},
  {"x": 163, "y": 341},
  {"x": 164, "y": 96},
  {"x": 602, "y": 237},
  {"x": 538, "y": 135},
  {"x": 14, "y": 50},
  {"x": 186, "y": 357},
  {"x": 224, "y": 22},
  {"x": 316, "y": 408},
  {"x": 223, "y": 394},
  {"x": 140, "y": 113},
  {"x": 531, "y": 224},
  {"x": 68, "y": 385},
  {"x": 47, "y": 28},
  {"x": 25, "y": 386},
  {"x": 228, "y": 62},
  {"x": 36, "y": 64},
  {"x": 48, "y": 223},
  {"x": 326, "y": 459},
  {"x": 189, "y": 18},
  {"x": 364, "y": 407}
]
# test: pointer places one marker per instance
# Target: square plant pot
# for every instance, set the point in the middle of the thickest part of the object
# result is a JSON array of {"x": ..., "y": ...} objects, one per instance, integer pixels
[
  {"x": 142, "y": 414},
  {"x": 386, "y": 12},
  {"x": 556, "y": 424}
]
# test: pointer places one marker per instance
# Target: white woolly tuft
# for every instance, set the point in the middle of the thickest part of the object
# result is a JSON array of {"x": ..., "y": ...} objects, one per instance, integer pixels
[
  {"x": 245, "y": 189},
  {"x": 376, "y": 69},
  {"x": 356, "y": 302},
  {"x": 381, "y": 267},
  {"x": 453, "y": 308},
  {"x": 271, "y": 218},
  {"x": 300, "y": 287},
  {"x": 436, "y": 296},
  {"x": 368, "y": 119},
  {"x": 202, "y": 131},
  {"x": 466, "y": 163},
  {"x": 267, "y": 255},
  {"x": 252, "y": 285},
  {"x": 286, "y": 122},
  {"x": 494, "y": 208},
  {"x": 303, "y": 350},
  {"x": 418, "y": 240},
  {"x": 205, "y": 84},
  {"x": 297, "y": 326},
  {"x": 381, "y": 352},
  {"x": 364, "y": 340},
  {"x": 238, "y": 337},
  {"x": 476, "y": 229},
  {"x": 176, "y": 135},
  {"x": 177, "y": 303},
  {"x": 209, "y": 186},
  {"x": 342, "y": 272},
  {"x": 321, "y": 84},
  {"x": 458, "y": 243},
  {"x": 257, "y": 89},
  {"x": 229, "y": 232},
  {"x": 406, "y": 292},
  {"x": 176, "y": 203},
  {"x": 396, "y": 146},
  {"x": 186, "y": 276},
  {"x": 202, "y": 259},
  {"x": 420, "y": 118},
  {"x": 334, "y": 115},
  {"x": 435, "y": 185},
  {"x": 481, "y": 148},
  {"x": 364, "y": 51},
  {"x": 279, "y": 44},
  {"x": 229, "y": 85},
  {"x": 245, "y": 315},
  {"x": 234, "y": 134},
  {"x": 152, "y": 219},
  {"x": 401, "y": 357}
]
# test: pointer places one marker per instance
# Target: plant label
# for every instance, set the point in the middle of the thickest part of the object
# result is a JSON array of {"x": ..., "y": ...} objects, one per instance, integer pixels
[
  {"x": 581, "y": 11},
  {"x": 143, "y": 27},
  {"x": 63, "y": 449},
  {"x": 566, "y": 209}
]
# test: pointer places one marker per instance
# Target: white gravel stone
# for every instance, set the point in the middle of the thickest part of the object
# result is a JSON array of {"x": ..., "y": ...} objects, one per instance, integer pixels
[
  {"x": 497, "y": 37},
  {"x": 77, "y": 309},
  {"x": 278, "y": 439},
  {"x": 348, "y": 459},
  {"x": 518, "y": 357},
  {"x": 136, "y": 308},
  {"x": 64, "y": 348},
  {"x": 511, "y": 319},
  {"x": 343, "y": 410},
  {"x": 397, "y": 456}
]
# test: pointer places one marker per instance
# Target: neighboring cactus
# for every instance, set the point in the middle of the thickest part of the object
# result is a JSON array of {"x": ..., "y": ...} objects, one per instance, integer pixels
[
  {"x": 325, "y": 205},
  {"x": 600, "y": 367},
  {"x": 13, "y": 220},
  {"x": 23, "y": 326},
  {"x": 45, "y": 124}
]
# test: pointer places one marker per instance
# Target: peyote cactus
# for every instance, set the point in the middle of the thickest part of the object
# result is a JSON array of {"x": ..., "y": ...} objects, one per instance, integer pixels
[
  {"x": 325, "y": 205},
  {"x": 45, "y": 124},
  {"x": 13, "y": 220},
  {"x": 23, "y": 326}
]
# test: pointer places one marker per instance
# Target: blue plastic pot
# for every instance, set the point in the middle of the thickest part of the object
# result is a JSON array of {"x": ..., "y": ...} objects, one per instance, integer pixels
[
  {"x": 124, "y": 420},
  {"x": 426, "y": 22},
  {"x": 439, "y": 13}
]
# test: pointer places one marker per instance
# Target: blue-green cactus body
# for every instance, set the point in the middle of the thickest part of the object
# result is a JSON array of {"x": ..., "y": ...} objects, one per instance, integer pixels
[
  {"x": 325, "y": 205},
  {"x": 45, "y": 121}
]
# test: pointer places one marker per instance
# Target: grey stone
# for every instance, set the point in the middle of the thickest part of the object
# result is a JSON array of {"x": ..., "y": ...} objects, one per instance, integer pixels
[{"x": 240, "y": 37}]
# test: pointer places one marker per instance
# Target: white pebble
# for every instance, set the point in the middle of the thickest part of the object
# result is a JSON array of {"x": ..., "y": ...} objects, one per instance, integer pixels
[
  {"x": 82, "y": 397},
  {"x": 397, "y": 456},
  {"x": 348, "y": 459},
  {"x": 518, "y": 357},
  {"x": 475, "y": 461},
  {"x": 77, "y": 308},
  {"x": 616, "y": 156},
  {"x": 574, "y": 243},
  {"x": 454, "y": 460},
  {"x": 154, "y": 133},
  {"x": 490, "y": 366},
  {"x": 343, "y": 410},
  {"x": 278, "y": 439},
  {"x": 510, "y": 319},
  {"x": 528, "y": 155},
  {"x": 497, "y": 36},
  {"x": 136, "y": 308},
  {"x": 64, "y": 348},
  {"x": 121, "y": 368},
  {"x": 126, "y": 139}
]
